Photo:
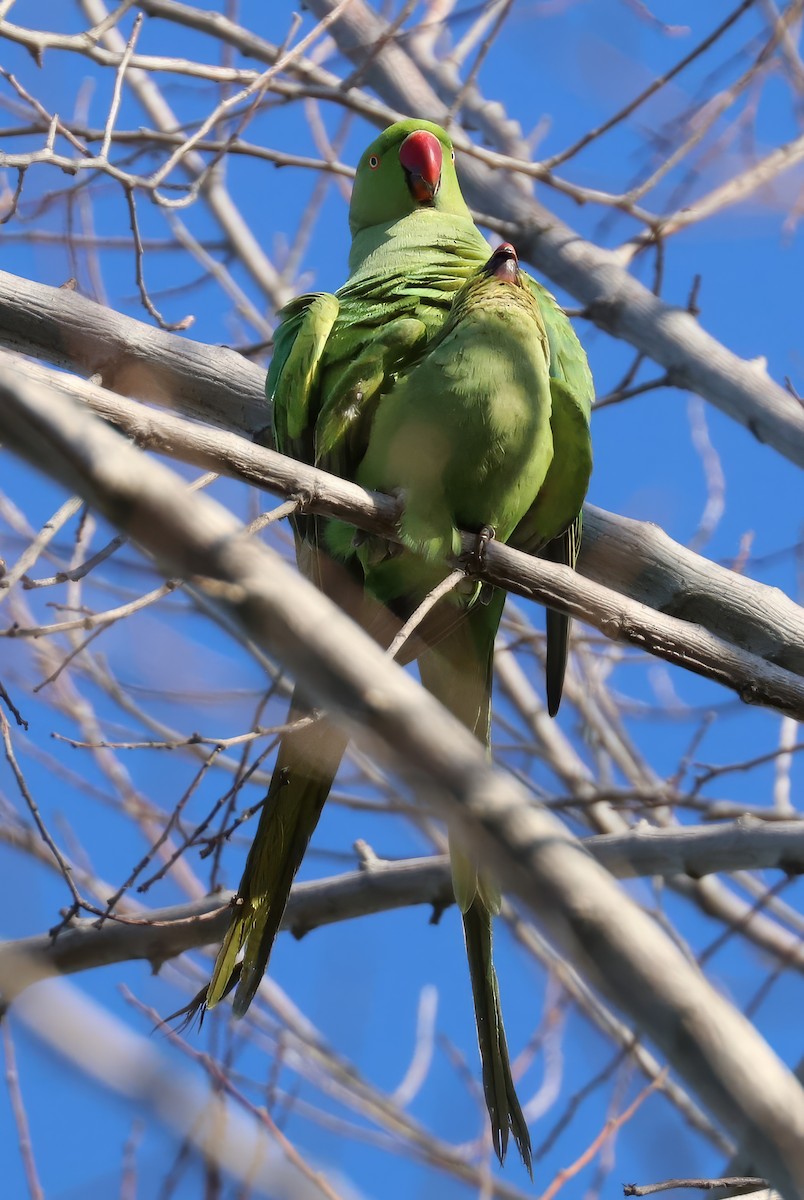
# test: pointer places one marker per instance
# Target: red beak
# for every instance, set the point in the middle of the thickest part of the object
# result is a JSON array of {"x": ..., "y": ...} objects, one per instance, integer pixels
[{"x": 421, "y": 157}]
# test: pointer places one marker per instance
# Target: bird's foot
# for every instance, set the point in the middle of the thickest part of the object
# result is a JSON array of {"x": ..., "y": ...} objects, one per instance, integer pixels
[{"x": 475, "y": 561}]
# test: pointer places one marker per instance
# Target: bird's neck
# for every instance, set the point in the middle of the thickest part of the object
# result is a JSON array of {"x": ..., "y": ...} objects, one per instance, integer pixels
[{"x": 416, "y": 239}]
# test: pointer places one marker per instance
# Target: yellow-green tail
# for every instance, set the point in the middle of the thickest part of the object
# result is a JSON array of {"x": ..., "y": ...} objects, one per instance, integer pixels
[{"x": 306, "y": 765}]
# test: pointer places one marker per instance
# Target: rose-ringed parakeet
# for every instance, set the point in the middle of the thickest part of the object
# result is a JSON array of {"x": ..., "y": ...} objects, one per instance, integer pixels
[{"x": 335, "y": 358}]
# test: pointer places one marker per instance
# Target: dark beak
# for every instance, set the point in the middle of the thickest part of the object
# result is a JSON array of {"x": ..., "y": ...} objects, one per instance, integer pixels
[{"x": 504, "y": 264}]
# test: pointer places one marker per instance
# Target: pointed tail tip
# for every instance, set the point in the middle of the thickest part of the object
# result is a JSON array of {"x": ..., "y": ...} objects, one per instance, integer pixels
[
  {"x": 516, "y": 1125},
  {"x": 556, "y": 666},
  {"x": 525, "y": 1149},
  {"x": 555, "y": 691},
  {"x": 186, "y": 1017}
]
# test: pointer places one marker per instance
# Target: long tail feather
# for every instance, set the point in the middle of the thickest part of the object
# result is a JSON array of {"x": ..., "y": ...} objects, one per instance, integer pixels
[
  {"x": 505, "y": 1112},
  {"x": 306, "y": 765},
  {"x": 458, "y": 671}
]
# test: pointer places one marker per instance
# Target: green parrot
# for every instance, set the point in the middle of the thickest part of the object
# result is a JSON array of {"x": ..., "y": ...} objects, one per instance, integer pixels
[{"x": 343, "y": 372}]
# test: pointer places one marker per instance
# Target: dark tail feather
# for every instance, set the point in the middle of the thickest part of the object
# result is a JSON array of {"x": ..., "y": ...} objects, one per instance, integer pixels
[
  {"x": 498, "y": 1085},
  {"x": 563, "y": 549},
  {"x": 558, "y": 632}
]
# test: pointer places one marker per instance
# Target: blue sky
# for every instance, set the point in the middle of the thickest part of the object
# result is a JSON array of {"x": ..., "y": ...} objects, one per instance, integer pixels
[{"x": 561, "y": 68}]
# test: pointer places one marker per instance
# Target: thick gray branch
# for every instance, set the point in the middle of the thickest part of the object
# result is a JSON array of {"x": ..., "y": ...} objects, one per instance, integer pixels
[
  {"x": 710, "y": 637},
  {"x": 609, "y": 937},
  {"x": 62, "y": 327},
  {"x": 640, "y": 560},
  {"x": 698, "y": 850},
  {"x": 160, "y": 934},
  {"x": 349, "y": 896},
  {"x": 614, "y": 300}
]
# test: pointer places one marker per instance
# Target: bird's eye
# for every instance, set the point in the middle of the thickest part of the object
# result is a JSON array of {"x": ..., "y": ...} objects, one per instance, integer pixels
[
  {"x": 452, "y": 156},
  {"x": 374, "y": 162}
]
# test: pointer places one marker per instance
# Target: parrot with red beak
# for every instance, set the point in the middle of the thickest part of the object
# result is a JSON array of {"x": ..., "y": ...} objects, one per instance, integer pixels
[{"x": 440, "y": 369}]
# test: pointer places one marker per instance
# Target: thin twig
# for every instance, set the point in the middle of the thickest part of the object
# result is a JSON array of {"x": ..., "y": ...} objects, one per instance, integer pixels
[
  {"x": 447, "y": 584},
  {"x": 117, "y": 91},
  {"x": 12, "y": 708},
  {"x": 612, "y": 1125},
  {"x": 20, "y": 1116},
  {"x": 33, "y": 808},
  {"x": 171, "y": 327},
  {"x": 556, "y": 159},
  {"x": 706, "y": 1185}
]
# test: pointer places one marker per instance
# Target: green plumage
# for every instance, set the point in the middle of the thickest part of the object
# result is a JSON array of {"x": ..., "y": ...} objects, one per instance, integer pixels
[
  {"x": 467, "y": 389},
  {"x": 466, "y": 433}
]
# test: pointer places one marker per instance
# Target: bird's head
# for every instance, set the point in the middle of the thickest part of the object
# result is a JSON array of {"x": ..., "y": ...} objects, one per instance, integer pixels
[{"x": 410, "y": 166}]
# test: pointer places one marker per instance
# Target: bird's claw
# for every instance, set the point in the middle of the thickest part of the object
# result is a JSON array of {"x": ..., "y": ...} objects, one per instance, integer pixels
[{"x": 475, "y": 560}]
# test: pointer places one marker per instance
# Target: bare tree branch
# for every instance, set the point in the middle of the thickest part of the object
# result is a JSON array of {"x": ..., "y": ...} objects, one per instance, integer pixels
[
  {"x": 211, "y": 382},
  {"x": 176, "y": 745},
  {"x": 157, "y": 935},
  {"x": 677, "y": 639},
  {"x": 698, "y": 850}
]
